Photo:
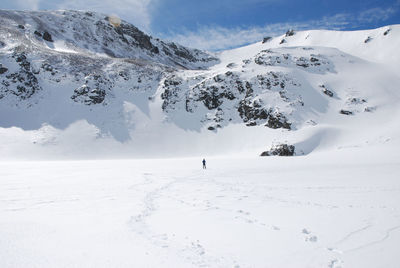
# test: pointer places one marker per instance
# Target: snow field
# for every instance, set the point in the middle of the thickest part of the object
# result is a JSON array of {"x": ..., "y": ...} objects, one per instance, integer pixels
[{"x": 336, "y": 209}]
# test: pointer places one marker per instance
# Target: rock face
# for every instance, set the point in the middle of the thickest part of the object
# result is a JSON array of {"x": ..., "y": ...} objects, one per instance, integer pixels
[
  {"x": 136, "y": 61},
  {"x": 227, "y": 97},
  {"x": 280, "y": 150}
]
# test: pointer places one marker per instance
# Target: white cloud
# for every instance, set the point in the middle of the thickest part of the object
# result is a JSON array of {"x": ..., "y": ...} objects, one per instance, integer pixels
[
  {"x": 219, "y": 38},
  {"x": 376, "y": 14},
  {"x": 134, "y": 11},
  {"x": 28, "y": 4}
]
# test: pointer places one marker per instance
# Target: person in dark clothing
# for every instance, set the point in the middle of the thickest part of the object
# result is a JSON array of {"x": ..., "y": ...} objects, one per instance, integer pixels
[{"x": 204, "y": 164}]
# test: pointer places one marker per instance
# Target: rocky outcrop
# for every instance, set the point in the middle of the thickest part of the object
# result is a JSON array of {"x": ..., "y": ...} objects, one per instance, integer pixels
[
  {"x": 93, "y": 91},
  {"x": 369, "y": 39},
  {"x": 170, "y": 94},
  {"x": 21, "y": 83},
  {"x": 346, "y": 112},
  {"x": 326, "y": 91},
  {"x": 3, "y": 69},
  {"x": 47, "y": 37},
  {"x": 280, "y": 150},
  {"x": 230, "y": 92},
  {"x": 254, "y": 112},
  {"x": 266, "y": 39},
  {"x": 290, "y": 33},
  {"x": 312, "y": 62}
]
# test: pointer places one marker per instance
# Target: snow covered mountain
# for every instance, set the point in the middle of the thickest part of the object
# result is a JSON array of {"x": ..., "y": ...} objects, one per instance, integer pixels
[{"x": 84, "y": 84}]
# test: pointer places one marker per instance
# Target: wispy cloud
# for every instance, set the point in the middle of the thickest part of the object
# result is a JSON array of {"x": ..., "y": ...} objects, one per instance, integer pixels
[
  {"x": 28, "y": 4},
  {"x": 377, "y": 14},
  {"x": 216, "y": 38}
]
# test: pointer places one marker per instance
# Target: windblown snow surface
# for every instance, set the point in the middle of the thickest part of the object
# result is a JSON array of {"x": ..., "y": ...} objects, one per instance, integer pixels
[{"x": 113, "y": 177}]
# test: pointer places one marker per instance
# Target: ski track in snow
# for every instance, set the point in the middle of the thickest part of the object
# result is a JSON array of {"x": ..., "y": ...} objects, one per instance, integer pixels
[
  {"x": 386, "y": 236},
  {"x": 193, "y": 251}
]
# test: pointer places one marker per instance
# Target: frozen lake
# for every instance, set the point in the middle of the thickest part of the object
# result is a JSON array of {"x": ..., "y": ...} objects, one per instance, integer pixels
[{"x": 323, "y": 210}]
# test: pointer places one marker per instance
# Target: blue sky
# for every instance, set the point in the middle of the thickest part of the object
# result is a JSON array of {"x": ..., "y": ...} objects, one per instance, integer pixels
[{"x": 221, "y": 24}]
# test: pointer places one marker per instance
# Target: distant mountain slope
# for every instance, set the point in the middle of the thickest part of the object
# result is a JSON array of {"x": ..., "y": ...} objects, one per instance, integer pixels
[
  {"x": 78, "y": 84},
  {"x": 87, "y": 32}
]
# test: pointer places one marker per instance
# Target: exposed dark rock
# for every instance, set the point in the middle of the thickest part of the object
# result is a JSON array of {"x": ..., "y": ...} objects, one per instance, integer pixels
[
  {"x": 155, "y": 50},
  {"x": 253, "y": 111},
  {"x": 93, "y": 91},
  {"x": 25, "y": 82},
  {"x": 282, "y": 41},
  {"x": 21, "y": 26},
  {"x": 280, "y": 150},
  {"x": 346, "y": 112},
  {"x": 173, "y": 49},
  {"x": 302, "y": 62},
  {"x": 267, "y": 39},
  {"x": 277, "y": 120},
  {"x": 289, "y": 33},
  {"x": 94, "y": 96},
  {"x": 326, "y": 91},
  {"x": 271, "y": 57},
  {"x": 231, "y": 65},
  {"x": 251, "y": 124},
  {"x": 47, "y": 37},
  {"x": 38, "y": 33},
  {"x": 170, "y": 95},
  {"x": 387, "y": 31},
  {"x": 3, "y": 70},
  {"x": 369, "y": 38},
  {"x": 212, "y": 98},
  {"x": 355, "y": 101}
]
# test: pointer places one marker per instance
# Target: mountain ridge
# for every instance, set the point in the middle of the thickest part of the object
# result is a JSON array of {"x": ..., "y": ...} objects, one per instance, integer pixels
[{"x": 61, "y": 94}]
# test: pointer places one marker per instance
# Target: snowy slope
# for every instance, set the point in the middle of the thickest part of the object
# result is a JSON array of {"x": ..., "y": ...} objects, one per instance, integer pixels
[{"x": 89, "y": 86}]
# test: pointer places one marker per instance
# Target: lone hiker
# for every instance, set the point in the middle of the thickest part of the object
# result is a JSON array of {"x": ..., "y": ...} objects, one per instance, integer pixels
[{"x": 204, "y": 164}]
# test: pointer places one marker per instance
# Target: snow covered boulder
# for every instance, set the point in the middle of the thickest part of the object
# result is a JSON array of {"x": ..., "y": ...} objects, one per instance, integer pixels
[{"x": 280, "y": 150}]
